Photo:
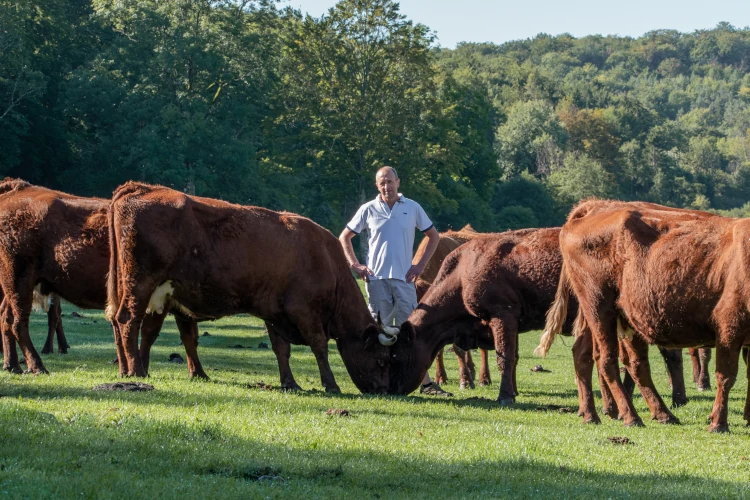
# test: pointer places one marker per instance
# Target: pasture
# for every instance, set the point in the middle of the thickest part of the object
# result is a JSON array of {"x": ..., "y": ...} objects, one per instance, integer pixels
[{"x": 232, "y": 437}]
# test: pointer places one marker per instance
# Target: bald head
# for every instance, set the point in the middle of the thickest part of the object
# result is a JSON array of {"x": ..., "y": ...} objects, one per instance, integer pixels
[{"x": 385, "y": 170}]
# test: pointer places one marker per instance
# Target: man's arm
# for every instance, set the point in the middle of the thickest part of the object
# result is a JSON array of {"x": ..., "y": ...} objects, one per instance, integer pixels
[
  {"x": 433, "y": 238},
  {"x": 363, "y": 271}
]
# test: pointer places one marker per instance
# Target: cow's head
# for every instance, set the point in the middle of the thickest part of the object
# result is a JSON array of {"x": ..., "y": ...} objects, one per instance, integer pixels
[
  {"x": 367, "y": 357},
  {"x": 409, "y": 362}
]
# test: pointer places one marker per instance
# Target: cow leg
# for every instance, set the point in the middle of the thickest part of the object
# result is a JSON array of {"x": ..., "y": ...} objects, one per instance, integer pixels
[
  {"x": 10, "y": 353},
  {"x": 465, "y": 367},
  {"x": 129, "y": 318},
  {"x": 440, "y": 376},
  {"x": 583, "y": 361},
  {"x": 641, "y": 371},
  {"x": 62, "y": 342},
  {"x": 49, "y": 346},
  {"x": 189, "y": 334},
  {"x": 150, "y": 329},
  {"x": 283, "y": 350},
  {"x": 746, "y": 414},
  {"x": 319, "y": 347},
  {"x": 704, "y": 377},
  {"x": 609, "y": 406},
  {"x": 673, "y": 360},
  {"x": 20, "y": 304},
  {"x": 505, "y": 331},
  {"x": 484, "y": 369},
  {"x": 604, "y": 334},
  {"x": 695, "y": 363},
  {"x": 627, "y": 380},
  {"x": 727, "y": 363}
]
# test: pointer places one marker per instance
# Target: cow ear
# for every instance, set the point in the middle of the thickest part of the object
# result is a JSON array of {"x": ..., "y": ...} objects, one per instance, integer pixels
[
  {"x": 408, "y": 335},
  {"x": 371, "y": 337}
]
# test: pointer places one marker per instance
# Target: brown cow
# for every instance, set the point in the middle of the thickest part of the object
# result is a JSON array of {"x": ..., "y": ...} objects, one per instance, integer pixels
[
  {"x": 57, "y": 243},
  {"x": 488, "y": 291},
  {"x": 449, "y": 241},
  {"x": 677, "y": 276},
  {"x": 209, "y": 258}
]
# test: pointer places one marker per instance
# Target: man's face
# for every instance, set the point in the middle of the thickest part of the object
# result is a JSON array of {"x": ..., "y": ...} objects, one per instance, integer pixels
[{"x": 387, "y": 184}]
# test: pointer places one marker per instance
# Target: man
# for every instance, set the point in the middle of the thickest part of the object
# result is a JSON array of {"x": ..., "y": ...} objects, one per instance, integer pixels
[{"x": 389, "y": 274}]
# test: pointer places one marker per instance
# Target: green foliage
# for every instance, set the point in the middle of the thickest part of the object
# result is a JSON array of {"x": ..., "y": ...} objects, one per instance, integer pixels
[{"x": 249, "y": 103}]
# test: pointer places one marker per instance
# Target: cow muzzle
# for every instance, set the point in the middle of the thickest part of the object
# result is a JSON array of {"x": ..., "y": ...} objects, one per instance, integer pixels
[{"x": 389, "y": 335}]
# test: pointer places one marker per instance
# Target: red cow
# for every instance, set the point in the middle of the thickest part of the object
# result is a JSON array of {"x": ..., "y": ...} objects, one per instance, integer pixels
[
  {"x": 677, "y": 277},
  {"x": 209, "y": 258}
]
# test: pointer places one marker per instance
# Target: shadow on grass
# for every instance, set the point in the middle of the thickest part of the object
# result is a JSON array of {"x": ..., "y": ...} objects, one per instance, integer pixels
[{"x": 95, "y": 457}]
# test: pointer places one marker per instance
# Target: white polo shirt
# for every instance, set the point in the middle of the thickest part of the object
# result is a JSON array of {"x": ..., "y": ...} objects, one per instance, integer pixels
[{"x": 391, "y": 234}]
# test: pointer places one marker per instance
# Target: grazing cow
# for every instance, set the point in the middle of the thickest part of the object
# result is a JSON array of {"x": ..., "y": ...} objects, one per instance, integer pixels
[
  {"x": 677, "y": 277},
  {"x": 488, "y": 290},
  {"x": 449, "y": 241},
  {"x": 57, "y": 244},
  {"x": 209, "y": 258}
]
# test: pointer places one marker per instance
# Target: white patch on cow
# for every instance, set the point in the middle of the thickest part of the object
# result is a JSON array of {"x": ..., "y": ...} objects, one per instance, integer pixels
[
  {"x": 159, "y": 298},
  {"x": 40, "y": 302},
  {"x": 624, "y": 332}
]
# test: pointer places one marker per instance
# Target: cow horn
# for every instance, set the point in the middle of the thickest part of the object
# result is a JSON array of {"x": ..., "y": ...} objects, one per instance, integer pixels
[
  {"x": 387, "y": 340},
  {"x": 389, "y": 335}
]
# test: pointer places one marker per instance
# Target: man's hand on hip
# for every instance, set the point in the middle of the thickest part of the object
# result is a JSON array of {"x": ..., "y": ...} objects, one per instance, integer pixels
[
  {"x": 413, "y": 273},
  {"x": 362, "y": 271}
]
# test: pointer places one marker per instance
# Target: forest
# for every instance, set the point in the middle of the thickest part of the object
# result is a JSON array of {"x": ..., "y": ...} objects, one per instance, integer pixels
[{"x": 258, "y": 104}]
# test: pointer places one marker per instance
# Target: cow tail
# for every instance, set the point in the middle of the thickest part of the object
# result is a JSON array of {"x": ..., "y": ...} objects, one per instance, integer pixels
[
  {"x": 556, "y": 315},
  {"x": 113, "y": 298}
]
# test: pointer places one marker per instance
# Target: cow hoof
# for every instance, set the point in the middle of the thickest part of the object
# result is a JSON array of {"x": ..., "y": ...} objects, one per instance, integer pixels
[
  {"x": 506, "y": 401},
  {"x": 333, "y": 390},
  {"x": 13, "y": 369},
  {"x": 704, "y": 388},
  {"x": 592, "y": 420},
  {"x": 47, "y": 350},
  {"x": 484, "y": 383},
  {"x": 669, "y": 420},
  {"x": 440, "y": 380},
  {"x": 636, "y": 422},
  {"x": 198, "y": 375},
  {"x": 290, "y": 387},
  {"x": 39, "y": 371},
  {"x": 466, "y": 385},
  {"x": 63, "y": 350},
  {"x": 718, "y": 428},
  {"x": 680, "y": 402}
]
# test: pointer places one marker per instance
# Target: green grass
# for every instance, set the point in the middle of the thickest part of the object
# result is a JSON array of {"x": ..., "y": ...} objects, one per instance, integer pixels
[{"x": 58, "y": 438}]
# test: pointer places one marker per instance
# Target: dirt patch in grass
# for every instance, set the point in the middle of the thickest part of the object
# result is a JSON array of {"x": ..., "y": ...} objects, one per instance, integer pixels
[
  {"x": 619, "y": 440},
  {"x": 124, "y": 386},
  {"x": 557, "y": 408},
  {"x": 260, "y": 385},
  {"x": 175, "y": 358},
  {"x": 264, "y": 473},
  {"x": 539, "y": 369},
  {"x": 340, "y": 412}
]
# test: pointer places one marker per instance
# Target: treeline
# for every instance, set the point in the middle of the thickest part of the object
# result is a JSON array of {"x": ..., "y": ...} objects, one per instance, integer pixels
[{"x": 243, "y": 101}]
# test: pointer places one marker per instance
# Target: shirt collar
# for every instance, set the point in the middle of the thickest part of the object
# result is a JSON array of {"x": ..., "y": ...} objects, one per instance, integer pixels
[{"x": 400, "y": 198}]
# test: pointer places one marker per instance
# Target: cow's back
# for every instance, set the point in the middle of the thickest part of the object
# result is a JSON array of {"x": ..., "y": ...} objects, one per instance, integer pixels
[
  {"x": 223, "y": 258},
  {"x": 63, "y": 237}
]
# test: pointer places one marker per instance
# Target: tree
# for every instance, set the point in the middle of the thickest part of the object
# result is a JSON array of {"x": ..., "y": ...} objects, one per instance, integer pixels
[
  {"x": 176, "y": 98},
  {"x": 359, "y": 91}
]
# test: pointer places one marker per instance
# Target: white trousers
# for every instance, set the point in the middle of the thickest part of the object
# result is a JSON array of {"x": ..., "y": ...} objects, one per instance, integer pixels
[{"x": 393, "y": 299}]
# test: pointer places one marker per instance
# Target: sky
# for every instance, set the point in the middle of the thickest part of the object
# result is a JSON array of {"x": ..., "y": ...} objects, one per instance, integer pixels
[{"x": 500, "y": 21}]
